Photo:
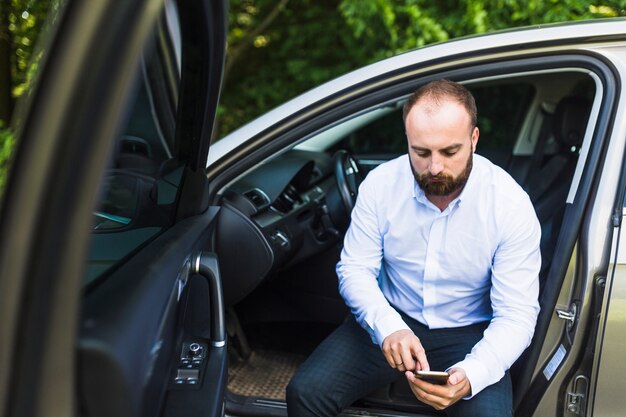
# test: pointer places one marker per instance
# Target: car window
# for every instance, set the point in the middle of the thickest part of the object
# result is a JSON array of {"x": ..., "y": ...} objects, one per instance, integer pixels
[
  {"x": 139, "y": 189},
  {"x": 501, "y": 110},
  {"x": 384, "y": 135}
]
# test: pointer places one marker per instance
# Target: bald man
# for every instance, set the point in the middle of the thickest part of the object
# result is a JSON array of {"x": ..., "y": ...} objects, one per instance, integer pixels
[{"x": 440, "y": 270}]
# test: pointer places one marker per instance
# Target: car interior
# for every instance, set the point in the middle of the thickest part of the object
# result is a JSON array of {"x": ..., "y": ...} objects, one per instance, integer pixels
[{"x": 279, "y": 233}]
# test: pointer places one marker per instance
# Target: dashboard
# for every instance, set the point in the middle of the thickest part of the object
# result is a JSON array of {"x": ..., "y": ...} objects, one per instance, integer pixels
[{"x": 283, "y": 212}]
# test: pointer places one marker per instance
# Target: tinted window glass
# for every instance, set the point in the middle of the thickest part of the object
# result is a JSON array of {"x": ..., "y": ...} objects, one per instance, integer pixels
[
  {"x": 501, "y": 111},
  {"x": 139, "y": 189},
  {"x": 385, "y": 135}
]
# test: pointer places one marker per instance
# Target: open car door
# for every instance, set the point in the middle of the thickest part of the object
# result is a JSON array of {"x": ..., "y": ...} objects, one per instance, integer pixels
[{"x": 110, "y": 305}]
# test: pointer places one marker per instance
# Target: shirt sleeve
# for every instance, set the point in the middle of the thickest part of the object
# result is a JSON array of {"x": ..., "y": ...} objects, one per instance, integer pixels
[
  {"x": 514, "y": 300},
  {"x": 360, "y": 266}
]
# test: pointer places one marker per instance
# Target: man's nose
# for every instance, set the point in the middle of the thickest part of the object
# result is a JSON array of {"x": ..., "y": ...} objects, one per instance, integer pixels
[{"x": 436, "y": 166}]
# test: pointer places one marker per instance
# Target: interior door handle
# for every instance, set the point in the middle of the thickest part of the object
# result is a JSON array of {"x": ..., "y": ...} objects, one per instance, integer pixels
[{"x": 206, "y": 266}]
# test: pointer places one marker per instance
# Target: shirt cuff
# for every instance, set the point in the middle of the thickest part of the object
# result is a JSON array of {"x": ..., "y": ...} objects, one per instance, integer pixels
[
  {"x": 387, "y": 325},
  {"x": 477, "y": 374}
]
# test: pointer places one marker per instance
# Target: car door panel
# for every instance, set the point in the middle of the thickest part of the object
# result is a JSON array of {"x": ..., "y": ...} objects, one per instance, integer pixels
[
  {"x": 202, "y": 323},
  {"x": 132, "y": 326}
]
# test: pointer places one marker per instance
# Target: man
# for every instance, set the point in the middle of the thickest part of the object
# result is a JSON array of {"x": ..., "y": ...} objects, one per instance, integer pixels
[{"x": 440, "y": 269}]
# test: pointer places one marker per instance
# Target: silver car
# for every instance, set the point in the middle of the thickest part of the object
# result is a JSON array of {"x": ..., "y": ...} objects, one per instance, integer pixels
[{"x": 147, "y": 272}]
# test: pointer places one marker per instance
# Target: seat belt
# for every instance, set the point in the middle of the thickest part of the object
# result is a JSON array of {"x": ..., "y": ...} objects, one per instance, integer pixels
[{"x": 534, "y": 173}]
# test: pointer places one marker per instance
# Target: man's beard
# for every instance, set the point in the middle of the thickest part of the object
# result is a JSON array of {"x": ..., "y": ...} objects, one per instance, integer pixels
[{"x": 441, "y": 184}]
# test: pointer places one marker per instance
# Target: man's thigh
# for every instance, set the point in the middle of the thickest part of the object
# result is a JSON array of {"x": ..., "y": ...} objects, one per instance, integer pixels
[
  {"x": 343, "y": 368},
  {"x": 444, "y": 348},
  {"x": 348, "y": 366}
]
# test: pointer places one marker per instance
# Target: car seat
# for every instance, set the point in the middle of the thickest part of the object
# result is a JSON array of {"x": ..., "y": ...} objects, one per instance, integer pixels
[{"x": 549, "y": 184}]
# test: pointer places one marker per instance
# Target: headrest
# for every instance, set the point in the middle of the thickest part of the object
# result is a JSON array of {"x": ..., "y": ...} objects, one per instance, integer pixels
[{"x": 570, "y": 120}]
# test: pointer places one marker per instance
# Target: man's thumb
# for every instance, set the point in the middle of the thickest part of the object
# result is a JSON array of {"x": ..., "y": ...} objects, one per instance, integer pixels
[{"x": 454, "y": 378}]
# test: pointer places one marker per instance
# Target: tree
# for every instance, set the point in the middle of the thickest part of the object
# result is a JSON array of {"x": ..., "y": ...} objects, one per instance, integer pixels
[
  {"x": 405, "y": 24},
  {"x": 6, "y": 97},
  {"x": 308, "y": 42},
  {"x": 280, "y": 48},
  {"x": 304, "y": 45},
  {"x": 21, "y": 22}
]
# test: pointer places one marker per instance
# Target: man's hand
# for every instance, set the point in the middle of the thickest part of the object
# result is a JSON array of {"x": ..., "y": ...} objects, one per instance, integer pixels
[
  {"x": 404, "y": 352},
  {"x": 441, "y": 396}
]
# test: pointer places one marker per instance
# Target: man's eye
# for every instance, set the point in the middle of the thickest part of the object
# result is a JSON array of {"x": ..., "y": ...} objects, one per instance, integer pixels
[
  {"x": 423, "y": 154},
  {"x": 449, "y": 153}
]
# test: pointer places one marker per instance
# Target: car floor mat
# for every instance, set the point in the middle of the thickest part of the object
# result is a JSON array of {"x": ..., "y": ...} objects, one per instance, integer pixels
[{"x": 263, "y": 374}]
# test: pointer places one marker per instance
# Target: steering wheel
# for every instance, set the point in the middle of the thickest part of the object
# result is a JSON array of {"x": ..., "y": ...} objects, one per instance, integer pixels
[{"x": 348, "y": 176}]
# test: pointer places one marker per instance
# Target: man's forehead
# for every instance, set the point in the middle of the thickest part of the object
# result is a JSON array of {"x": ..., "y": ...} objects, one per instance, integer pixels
[
  {"x": 429, "y": 108},
  {"x": 437, "y": 114},
  {"x": 433, "y": 105}
]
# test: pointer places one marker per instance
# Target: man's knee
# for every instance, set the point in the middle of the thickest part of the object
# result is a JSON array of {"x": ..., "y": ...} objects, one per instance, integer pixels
[
  {"x": 308, "y": 395},
  {"x": 296, "y": 390}
]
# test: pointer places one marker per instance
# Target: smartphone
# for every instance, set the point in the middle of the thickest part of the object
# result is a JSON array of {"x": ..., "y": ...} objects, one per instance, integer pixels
[{"x": 434, "y": 377}]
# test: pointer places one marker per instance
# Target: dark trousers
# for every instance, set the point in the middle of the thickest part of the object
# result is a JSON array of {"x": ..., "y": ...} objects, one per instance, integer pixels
[{"x": 348, "y": 366}]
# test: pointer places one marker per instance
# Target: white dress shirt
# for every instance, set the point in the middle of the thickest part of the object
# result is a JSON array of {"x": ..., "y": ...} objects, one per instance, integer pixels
[{"x": 478, "y": 260}]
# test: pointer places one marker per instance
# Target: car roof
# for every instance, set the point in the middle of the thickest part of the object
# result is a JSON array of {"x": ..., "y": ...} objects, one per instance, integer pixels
[{"x": 581, "y": 34}]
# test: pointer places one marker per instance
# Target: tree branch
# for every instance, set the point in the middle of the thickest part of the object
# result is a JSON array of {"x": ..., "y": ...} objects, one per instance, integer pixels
[{"x": 245, "y": 43}]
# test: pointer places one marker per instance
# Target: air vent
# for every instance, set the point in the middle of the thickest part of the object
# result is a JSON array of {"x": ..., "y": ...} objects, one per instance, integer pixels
[
  {"x": 257, "y": 197},
  {"x": 287, "y": 199}
]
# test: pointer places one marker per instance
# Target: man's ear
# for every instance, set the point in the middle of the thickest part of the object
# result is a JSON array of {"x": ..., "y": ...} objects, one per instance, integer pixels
[{"x": 474, "y": 138}]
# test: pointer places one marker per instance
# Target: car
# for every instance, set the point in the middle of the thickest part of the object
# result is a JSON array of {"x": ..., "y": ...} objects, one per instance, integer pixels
[{"x": 145, "y": 271}]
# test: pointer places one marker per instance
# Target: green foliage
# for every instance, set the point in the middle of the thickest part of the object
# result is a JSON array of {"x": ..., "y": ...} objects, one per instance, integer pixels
[
  {"x": 303, "y": 46},
  {"x": 308, "y": 42},
  {"x": 22, "y": 23},
  {"x": 392, "y": 27},
  {"x": 26, "y": 20},
  {"x": 280, "y": 48},
  {"x": 406, "y": 24},
  {"x": 6, "y": 147}
]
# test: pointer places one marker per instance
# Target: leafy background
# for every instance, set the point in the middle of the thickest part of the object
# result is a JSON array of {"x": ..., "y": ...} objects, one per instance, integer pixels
[
  {"x": 280, "y": 48},
  {"x": 21, "y": 22},
  {"x": 305, "y": 42}
]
